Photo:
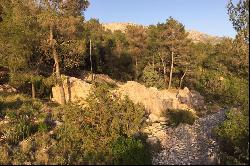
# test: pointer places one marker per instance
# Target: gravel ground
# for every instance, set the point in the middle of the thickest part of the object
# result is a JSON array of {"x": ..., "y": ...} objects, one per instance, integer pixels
[{"x": 190, "y": 144}]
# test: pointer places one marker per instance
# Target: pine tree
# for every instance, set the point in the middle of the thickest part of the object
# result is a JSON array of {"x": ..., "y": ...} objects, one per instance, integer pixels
[
  {"x": 173, "y": 46},
  {"x": 61, "y": 23},
  {"x": 136, "y": 37}
]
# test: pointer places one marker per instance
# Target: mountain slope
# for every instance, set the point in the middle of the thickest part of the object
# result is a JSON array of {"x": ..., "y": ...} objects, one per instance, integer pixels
[{"x": 194, "y": 35}]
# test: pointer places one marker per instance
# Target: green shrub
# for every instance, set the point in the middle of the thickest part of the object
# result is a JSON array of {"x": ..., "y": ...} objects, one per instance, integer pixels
[
  {"x": 180, "y": 116},
  {"x": 232, "y": 91},
  {"x": 151, "y": 78},
  {"x": 234, "y": 134},
  {"x": 87, "y": 135},
  {"x": 130, "y": 151}
]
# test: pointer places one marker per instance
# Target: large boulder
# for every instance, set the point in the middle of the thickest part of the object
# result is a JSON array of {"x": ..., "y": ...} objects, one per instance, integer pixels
[
  {"x": 75, "y": 90},
  {"x": 191, "y": 98},
  {"x": 155, "y": 102}
]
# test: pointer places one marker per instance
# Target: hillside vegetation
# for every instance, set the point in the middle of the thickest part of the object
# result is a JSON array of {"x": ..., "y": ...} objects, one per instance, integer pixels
[{"x": 44, "y": 44}]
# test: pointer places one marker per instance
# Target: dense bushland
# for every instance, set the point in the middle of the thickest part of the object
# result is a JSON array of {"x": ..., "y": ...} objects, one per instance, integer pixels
[{"x": 103, "y": 132}]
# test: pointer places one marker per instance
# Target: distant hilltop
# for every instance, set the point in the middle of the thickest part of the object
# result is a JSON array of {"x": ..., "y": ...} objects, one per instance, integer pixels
[{"x": 194, "y": 35}]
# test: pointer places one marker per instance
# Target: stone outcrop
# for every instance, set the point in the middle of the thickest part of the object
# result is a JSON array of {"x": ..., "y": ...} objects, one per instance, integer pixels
[
  {"x": 100, "y": 78},
  {"x": 155, "y": 101},
  {"x": 75, "y": 90},
  {"x": 191, "y": 98}
]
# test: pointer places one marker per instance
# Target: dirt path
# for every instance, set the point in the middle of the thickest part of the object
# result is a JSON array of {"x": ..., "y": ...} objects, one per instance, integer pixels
[{"x": 189, "y": 145}]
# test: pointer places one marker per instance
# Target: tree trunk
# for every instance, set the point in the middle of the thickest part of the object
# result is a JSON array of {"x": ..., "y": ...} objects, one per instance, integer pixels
[
  {"x": 90, "y": 58},
  {"x": 182, "y": 78},
  {"x": 33, "y": 90},
  {"x": 136, "y": 68},
  {"x": 58, "y": 74},
  {"x": 164, "y": 70},
  {"x": 171, "y": 70}
]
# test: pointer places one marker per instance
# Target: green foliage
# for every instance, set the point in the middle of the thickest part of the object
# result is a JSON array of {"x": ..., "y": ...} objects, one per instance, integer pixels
[
  {"x": 89, "y": 139},
  {"x": 22, "y": 113},
  {"x": 151, "y": 78},
  {"x": 239, "y": 16},
  {"x": 130, "y": 151},
  {"x": 22, "y": 123},
  {"x": 227, "y": 90},
  {"x": 177, "y": 117},
  {"x": 234, "y": 134}
]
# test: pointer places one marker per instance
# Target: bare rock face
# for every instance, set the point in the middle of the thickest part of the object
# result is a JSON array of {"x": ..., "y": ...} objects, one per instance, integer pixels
[
  {"x": 155, "y": 101},
  {"x": 190, "y": 98},
  {"x": 75, "y": 89},
  {"x": 100, "y": 78},
  {"x": 194, "y": 35}
]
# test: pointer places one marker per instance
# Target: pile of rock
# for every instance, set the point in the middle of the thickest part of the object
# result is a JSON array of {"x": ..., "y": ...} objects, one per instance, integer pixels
[
  {"x": 155, "y": 101},
  {"x": 7, "y": 88}
]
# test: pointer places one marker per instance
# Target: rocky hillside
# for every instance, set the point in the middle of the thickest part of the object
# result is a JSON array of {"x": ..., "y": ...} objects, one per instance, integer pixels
[
  {"x": 194, "y": 35},
  {"x": 182, "y": 145},
  {"x": 155, "y": 101}
]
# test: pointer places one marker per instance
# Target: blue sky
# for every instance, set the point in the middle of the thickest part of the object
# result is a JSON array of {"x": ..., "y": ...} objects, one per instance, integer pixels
[{"x": 209, "y": 16}]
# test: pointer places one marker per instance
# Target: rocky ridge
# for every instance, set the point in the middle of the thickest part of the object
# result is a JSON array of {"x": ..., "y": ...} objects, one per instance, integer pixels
[{"x": 194, "y": 35}]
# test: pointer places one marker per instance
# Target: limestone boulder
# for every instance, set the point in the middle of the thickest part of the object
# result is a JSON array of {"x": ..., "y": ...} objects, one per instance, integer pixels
[
  {"x": 191, "y": 98},
  {"x": 153, "y": 118},
  {"x": 75, "y": 90},
  {"x": 155, "y": 101},
  {"x": 153, "y": 141},
  {"x": 197, "y": 99}
]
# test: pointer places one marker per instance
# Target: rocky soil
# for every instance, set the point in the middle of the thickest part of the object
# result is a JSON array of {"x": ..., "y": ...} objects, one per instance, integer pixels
[
  {"x": 7, "y": 88},
  {"x": 186, "y": 144}
]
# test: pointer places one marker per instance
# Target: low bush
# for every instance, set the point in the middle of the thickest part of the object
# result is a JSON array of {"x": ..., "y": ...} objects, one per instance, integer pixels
[
  {"x": 92, "y": 135},
  {"x": 151, "y": 78},
  {"x": 22, "y": 122},
  {"x": 130, "y": 151},
  {"x": 234, "y": 135},
  {"x": 177, "y": 117},
  {"x": 229, "y": 91}
]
